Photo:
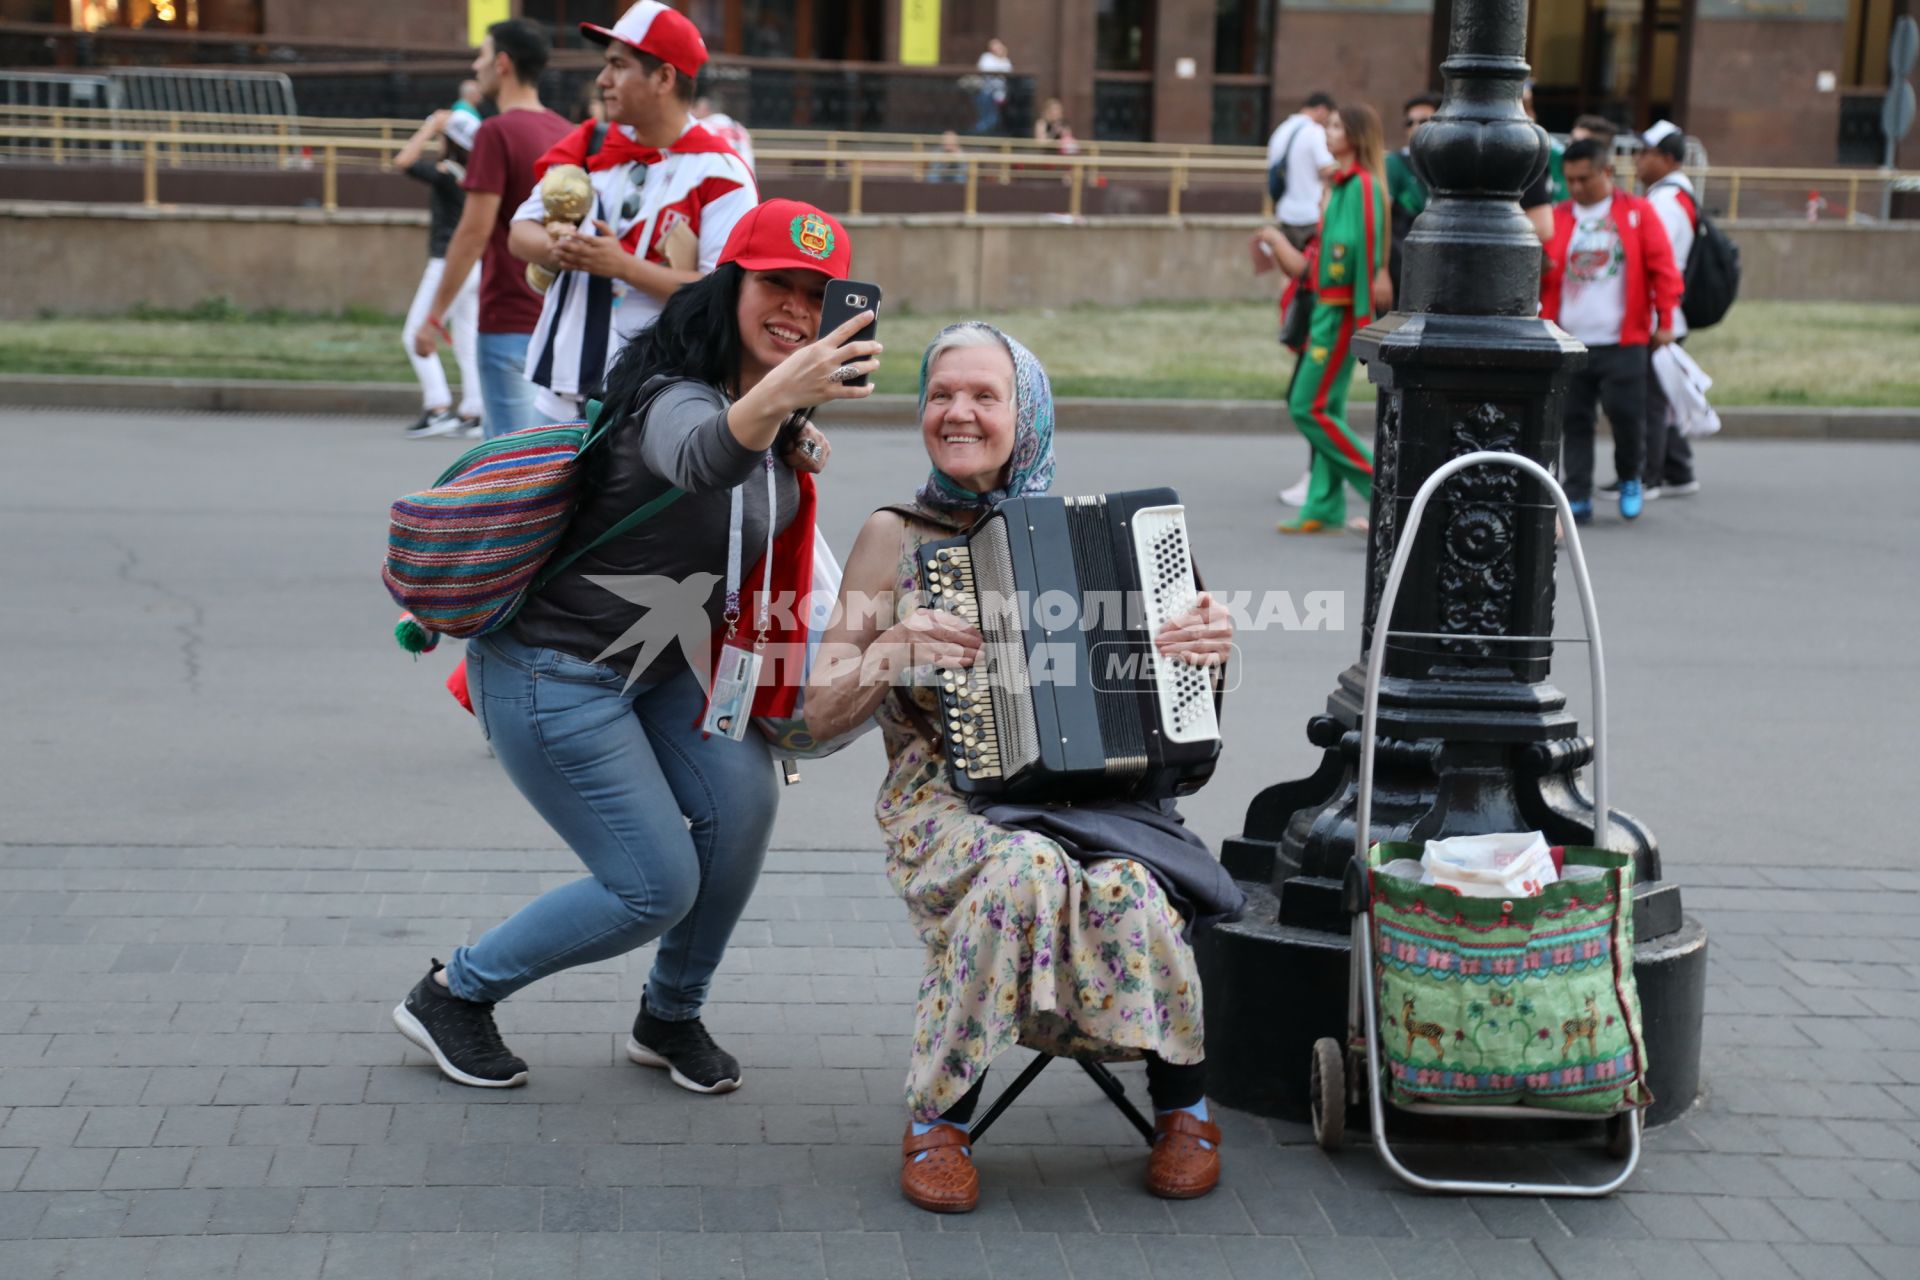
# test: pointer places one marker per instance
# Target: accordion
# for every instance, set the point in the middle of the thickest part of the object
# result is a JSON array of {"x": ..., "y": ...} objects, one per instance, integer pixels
[{"x": 1067, "y": 698}]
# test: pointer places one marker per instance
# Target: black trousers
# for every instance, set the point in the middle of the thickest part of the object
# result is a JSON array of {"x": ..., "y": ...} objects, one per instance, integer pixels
[
  {"x": 1669, "y": 454},
  {"x": 1614, "y": 379}
]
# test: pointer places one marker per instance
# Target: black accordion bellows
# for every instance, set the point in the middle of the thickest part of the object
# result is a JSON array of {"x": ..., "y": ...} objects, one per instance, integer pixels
[{"x": 1068, "y": 699}]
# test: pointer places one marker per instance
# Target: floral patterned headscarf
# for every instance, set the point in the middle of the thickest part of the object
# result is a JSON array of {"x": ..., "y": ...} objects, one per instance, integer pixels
[{"x": 1030, "y": 467}]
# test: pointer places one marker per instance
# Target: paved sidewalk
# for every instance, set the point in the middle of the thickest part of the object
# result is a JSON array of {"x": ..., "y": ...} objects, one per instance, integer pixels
[
  {"x": 200, "y": 1080},
  {"x": 235, "y": 823}
]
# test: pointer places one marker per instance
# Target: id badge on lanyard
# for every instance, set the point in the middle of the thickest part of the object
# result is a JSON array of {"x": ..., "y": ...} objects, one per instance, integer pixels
[{"x": 737, "y": 675}]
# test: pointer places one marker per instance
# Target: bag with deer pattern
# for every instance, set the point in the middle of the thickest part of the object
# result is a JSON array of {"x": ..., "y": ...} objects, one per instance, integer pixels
[{"x": 1514, "y": 1001}]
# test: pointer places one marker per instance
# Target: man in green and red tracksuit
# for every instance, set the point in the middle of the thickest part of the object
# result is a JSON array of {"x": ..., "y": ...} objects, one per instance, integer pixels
[{"x": 1609, "y": 280}]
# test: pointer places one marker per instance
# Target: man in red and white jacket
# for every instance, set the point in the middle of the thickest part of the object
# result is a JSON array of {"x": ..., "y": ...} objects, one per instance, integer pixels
[
  {"x": 1609, "y": 280},
  {"x": 659, "y": 178}
]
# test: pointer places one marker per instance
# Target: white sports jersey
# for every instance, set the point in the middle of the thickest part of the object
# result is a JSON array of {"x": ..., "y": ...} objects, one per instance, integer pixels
[{"x": 586, "y": 319}]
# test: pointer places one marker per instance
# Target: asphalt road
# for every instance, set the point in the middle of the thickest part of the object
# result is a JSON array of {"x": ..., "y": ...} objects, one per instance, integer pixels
[{"x": 197, "y": 643}]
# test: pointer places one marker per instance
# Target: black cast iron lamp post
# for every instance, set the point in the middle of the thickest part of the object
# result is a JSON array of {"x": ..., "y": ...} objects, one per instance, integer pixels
[{"x": 1472, "y": 738}]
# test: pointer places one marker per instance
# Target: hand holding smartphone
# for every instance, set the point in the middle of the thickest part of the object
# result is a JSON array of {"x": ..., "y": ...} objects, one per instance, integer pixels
[{"x": 844, "y": 300}]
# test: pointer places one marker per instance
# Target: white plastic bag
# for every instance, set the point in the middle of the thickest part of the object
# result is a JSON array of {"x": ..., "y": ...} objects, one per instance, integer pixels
[
  {"x": 1685, "y": 384},
  {"x": 1515, "y": 864}
]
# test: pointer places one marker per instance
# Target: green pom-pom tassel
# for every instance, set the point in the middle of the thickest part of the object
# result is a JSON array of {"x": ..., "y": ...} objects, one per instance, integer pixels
[{"x": 413, "y": 637}]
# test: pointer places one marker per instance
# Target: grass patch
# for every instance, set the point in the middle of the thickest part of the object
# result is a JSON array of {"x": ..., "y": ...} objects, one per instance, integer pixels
[{"x": 1778, "y": 353}]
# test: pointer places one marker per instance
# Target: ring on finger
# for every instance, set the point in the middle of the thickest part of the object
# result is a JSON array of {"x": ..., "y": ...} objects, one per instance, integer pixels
[
  {"x": 812, "y": 449},
  {"x": 845, "y": 373}
]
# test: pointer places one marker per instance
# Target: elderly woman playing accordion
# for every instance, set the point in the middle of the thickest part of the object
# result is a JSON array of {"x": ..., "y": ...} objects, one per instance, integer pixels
[{"x": 1025, "y": 944}]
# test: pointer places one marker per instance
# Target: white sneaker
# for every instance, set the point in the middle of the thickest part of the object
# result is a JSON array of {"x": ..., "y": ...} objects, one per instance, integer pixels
[
  {"x": 1686, "y": 490},
  {"x": 1295, "y": 494},
  {"x": 471, "y": 428},
  {"x": 434, "y": 422},
  {"x": 1649, "y": 493}
]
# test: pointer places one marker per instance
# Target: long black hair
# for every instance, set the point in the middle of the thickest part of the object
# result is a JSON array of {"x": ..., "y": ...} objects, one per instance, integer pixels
[{"x": 697, "y": 336}]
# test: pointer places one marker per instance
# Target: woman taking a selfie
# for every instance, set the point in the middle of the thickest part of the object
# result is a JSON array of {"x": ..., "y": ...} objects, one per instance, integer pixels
[
  {"x": 591, "y": 698},
  {"x": 1349, "y": 266}
]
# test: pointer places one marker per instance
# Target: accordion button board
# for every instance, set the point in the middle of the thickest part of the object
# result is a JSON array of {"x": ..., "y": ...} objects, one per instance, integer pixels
[
  {"x": 1068, "y": 698},
  {"x": 966, "y": 701}
]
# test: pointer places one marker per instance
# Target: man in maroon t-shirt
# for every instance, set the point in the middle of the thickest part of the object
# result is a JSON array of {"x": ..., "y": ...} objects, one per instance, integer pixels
[{"x": 499, "y": 176}]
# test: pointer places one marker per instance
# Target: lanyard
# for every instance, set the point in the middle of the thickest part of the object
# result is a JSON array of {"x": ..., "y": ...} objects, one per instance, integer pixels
[{"x": 763, "y": 609}]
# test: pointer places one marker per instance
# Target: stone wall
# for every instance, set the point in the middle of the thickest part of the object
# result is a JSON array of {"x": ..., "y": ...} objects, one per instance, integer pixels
[{"x": 77, "y": 260}]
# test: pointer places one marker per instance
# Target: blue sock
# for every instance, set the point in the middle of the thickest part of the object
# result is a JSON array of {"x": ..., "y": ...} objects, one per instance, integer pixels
[
  {"x": 1199, "y": 1112},
  {"x": 919, "y": 1129}
]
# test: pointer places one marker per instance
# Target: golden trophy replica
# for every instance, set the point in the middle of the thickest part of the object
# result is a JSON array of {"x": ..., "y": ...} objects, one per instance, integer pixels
[{"x": 568, "y": 195}]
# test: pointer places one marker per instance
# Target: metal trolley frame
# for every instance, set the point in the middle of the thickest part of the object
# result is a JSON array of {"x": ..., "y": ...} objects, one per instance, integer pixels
[{"x": 1337, "y": 1077}]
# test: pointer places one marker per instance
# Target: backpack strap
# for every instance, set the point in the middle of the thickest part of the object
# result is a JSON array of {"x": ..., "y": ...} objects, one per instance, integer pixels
[
  {"x": 1681, "y": 194},
  {"x": 634, "y": 519},
  {"x": 1693, "y": 209},
  {"x": 1280, "y": 165}
]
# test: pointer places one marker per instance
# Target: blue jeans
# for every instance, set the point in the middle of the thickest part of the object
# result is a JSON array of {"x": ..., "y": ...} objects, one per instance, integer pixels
[
  {"x": 986, "y": 112},
  {"x": 504, "y": 388},
  {"x": 672, "y": 827}
]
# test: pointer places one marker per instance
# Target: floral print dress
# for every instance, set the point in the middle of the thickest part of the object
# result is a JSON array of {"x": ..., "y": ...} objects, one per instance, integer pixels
[{"x": 1024, "y": 945}]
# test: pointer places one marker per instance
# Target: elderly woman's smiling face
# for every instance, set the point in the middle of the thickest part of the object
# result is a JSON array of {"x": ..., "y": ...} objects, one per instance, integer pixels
[{"x": 968, "y": 424}]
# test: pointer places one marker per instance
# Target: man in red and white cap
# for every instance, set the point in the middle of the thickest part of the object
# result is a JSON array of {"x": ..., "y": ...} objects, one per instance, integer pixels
[{"x": 666, "y": 194}]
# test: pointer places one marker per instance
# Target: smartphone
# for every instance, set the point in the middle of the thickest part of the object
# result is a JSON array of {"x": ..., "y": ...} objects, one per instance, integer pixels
[{"x": 846, "y": 299}]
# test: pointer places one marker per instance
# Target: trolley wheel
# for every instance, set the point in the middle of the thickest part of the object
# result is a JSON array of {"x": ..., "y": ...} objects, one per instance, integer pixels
[
  {"x": 1327, "y": 1089},
  {"x": 1620, "y": 1135}
]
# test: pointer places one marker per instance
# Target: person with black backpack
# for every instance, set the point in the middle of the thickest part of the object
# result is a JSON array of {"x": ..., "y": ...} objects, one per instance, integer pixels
[
  {"x": 1710, "y": 267},
  {"x": 1297, "y": 162}
]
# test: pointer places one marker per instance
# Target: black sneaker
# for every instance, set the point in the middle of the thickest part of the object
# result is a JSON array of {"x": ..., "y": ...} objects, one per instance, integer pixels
[
  {"x": 459, "y": 1034},
  {"x": 686, "y": 1050},
  {"x": 433, "y": 422},
  {"x": 1610, "y": 488}
]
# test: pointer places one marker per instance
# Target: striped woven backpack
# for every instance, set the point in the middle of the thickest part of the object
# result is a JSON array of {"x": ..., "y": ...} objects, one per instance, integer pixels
[{"x": 463, "y": 556}]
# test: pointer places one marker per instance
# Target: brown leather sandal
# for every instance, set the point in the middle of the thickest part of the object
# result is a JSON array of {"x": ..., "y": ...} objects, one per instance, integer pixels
[
  {"x": 1180, "y": 1168},
  {"x": 944, "y": 1182}
]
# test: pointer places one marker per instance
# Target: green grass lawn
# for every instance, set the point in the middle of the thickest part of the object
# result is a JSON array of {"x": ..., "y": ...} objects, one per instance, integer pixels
[{"x": 1783, "y": 353}]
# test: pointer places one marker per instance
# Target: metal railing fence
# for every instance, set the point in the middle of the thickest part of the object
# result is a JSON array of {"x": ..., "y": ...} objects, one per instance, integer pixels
[{"x": 157, "y": 139}]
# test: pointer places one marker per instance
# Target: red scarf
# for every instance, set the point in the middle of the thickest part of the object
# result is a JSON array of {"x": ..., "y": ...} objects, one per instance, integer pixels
[
  {"x": 792, "y": 580},
  {"x": 619, "y": 147}
]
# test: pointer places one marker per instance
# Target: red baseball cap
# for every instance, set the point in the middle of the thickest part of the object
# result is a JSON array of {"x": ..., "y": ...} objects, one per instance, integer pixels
[
  {"x": 787, "y": 233},
  {"x": 653, "y": 28}
]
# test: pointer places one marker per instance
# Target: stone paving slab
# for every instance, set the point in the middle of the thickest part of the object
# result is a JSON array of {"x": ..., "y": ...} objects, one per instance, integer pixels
[
  {"x": 197, "y": 1081},
  {"x": 234, "y": 824}
]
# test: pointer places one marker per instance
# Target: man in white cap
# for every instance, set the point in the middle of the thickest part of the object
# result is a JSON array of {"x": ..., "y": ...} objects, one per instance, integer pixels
[
  {"x": 1668, "y": 472},
  {"x": 666, "y": 194}
]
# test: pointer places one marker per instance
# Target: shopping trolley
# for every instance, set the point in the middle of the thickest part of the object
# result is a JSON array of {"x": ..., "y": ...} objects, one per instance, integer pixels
[{"x": 1341, "y": 1074}]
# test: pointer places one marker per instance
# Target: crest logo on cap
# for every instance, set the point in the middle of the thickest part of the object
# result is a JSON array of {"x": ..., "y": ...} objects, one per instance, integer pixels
[{"x": 812, "y": 236}]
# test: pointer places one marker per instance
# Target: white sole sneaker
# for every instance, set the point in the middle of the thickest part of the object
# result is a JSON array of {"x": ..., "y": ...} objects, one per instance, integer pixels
[
  {"x": 436, "y": 427},
  {"x": 641, "y": 1055},
  {"x": 410, "y": 1028}
]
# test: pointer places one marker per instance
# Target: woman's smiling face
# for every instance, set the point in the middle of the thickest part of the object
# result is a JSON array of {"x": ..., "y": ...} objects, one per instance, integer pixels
[
  {"x": 968, "y": 424},
  {"x": 778, "y": 313}
]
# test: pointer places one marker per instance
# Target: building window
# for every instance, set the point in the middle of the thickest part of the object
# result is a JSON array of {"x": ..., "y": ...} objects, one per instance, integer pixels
[
  {"x": 1869, "y": 33},
  {"x": 1243, "y": 37},
  {"x": 155, "y": 15},
  {"x": 1617, "y": 58},
  {"x": 1123, "y": 35}
]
